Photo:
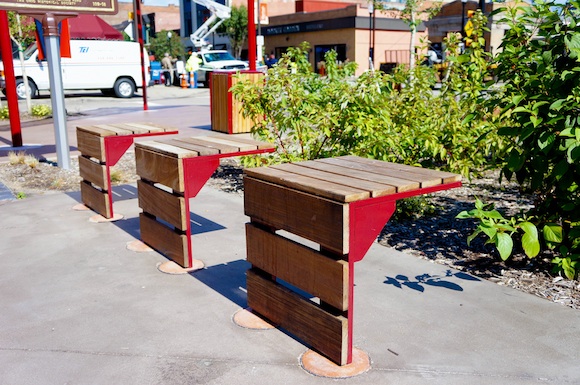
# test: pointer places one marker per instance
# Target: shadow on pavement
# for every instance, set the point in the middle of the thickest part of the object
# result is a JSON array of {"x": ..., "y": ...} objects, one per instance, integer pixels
[{"x": 430, "y": 280}]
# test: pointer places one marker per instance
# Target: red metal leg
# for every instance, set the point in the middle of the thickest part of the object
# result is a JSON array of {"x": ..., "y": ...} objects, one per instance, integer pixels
[
  {"x": 367, "y": 218},
  {"x": 115, "y": 147},
  {"x": 197, "y": 172}
]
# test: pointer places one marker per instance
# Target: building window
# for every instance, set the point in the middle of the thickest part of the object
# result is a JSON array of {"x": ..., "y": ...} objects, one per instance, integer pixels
[{"x": 319, "y": 52}]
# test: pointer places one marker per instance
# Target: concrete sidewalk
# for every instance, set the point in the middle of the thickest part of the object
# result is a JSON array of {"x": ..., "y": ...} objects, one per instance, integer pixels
[{"x": 78, "y": 307}]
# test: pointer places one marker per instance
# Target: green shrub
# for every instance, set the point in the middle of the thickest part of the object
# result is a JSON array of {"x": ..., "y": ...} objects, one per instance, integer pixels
[
  {"x": 396, "y": 117},
  {"x": 41, "y": 110},
  {"x": 309, "y": 116},
  {"x": 4, "y": 113},
  {"x": 536, "y": 113}
]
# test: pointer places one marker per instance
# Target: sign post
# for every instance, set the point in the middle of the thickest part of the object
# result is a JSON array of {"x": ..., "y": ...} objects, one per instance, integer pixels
[
  {"x": 51, "y": 13},
  {"x": 51, "y": 37}
]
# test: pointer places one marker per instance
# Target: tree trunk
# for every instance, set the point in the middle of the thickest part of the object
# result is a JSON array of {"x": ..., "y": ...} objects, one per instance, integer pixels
[{"x": 21, "y": 57}]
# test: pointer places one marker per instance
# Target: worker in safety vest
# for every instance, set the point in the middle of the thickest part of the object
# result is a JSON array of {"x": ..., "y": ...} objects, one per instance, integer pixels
[{"x": 192, "y": 66}]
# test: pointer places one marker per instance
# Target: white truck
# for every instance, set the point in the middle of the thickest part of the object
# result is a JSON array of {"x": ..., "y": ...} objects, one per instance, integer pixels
[{"x": 113, "y": 67}]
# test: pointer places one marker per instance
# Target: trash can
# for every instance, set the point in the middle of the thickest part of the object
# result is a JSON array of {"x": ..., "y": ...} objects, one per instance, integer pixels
[
  {"x": 155, "y": 67},
  {"x": 226, "y": 111}
]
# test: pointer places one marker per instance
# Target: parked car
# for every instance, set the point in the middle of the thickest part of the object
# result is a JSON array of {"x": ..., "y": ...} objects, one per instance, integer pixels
[{"x": 217, "y": 60}]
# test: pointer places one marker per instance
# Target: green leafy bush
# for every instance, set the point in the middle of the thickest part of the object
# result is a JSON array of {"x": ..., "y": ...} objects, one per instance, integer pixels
[
  {"x": 395, "y": 117},
  {"x": 41, "y": 110},
  {"x": 501, "y": 230},
  {"x": 538, "y": 107},
  {"x": 4, "y": 113},
  {"x": 309, "y": 116}
]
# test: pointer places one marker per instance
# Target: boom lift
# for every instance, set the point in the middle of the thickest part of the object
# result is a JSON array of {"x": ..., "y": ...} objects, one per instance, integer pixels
[{"x": 219, "y": 12}]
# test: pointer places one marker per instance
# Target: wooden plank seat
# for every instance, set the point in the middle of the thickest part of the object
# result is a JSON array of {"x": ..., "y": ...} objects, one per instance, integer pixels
[
  {"x": 101, "y": 146},
  {"x": 341, "y": 204},
  {"x": 173, "y": 171}
]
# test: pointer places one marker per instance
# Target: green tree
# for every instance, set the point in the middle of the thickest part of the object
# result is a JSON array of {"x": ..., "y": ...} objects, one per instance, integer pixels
[
  {"x": 162, "y": 44},
  {"x": 22, "y": 35},
  {"x": 21, "y": 28},
  {"x": 236, "y": 29}
]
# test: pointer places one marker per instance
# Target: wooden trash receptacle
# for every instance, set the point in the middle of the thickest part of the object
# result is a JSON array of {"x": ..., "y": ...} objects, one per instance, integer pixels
[
  {"x": 226, "y": 111},
  {"x": 341, "y": 204}
]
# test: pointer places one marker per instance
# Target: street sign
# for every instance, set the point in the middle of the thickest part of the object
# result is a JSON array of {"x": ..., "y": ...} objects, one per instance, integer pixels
[{"x": 76, "y": 6}]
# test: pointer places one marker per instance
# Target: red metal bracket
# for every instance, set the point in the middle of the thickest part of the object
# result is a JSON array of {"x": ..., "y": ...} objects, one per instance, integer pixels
[
  {"x": 366, "y": 220},
  {"x": 115, "y": 147}
]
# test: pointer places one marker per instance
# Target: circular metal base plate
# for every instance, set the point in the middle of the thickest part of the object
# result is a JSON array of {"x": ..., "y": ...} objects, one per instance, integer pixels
[
  {"x": 247, "y": 319},
  {"x": 138, "y": 246},
  {"x": 171, "y": 267},
  {"x": 321, "y": 366},
  {"x": 100, "y": 219},
  {"x": 80, "y": 207}
]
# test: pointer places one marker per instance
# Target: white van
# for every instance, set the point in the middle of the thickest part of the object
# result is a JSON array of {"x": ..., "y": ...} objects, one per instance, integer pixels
[{"x": 114, "y": 67}]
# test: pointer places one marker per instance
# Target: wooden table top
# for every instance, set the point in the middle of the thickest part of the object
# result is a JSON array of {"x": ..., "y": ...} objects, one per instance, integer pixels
[
  {"x": 205, "y": 146},
  {"x": 351, "y": 178},
  {"x": 124, "y": 129}
]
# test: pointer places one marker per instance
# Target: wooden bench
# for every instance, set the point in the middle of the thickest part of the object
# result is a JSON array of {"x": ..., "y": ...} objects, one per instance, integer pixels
[
  {"x": 101, "y": 146},
  {"x": 341, "y": 204},
  {"x": 172, "y": 172}
]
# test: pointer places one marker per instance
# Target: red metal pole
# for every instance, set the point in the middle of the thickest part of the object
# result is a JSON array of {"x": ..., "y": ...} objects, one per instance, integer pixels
[
  {"x": 139, "y": 21},
  {"x": 11, "y": 97},
  {"x": 251, "y": 35}
]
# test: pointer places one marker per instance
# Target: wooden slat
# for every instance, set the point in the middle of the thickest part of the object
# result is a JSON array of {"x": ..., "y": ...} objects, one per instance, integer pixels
[
  {"x": 231, "y": 141},
  {"x": 320, "y": 220},
  {"x": 446, "y": 177},
  {"x": 337, "y": 192},
  {"x": 96, "y": 130},
  {"x": 186, "y": 143},
  {"x": 129, "y": 127},
  {"x": 159, "y": 168},
  {"x": 299, "y": 265},
  {"x": 381, "y": 169},
  {"x": 222, "y": 148},
  {"x": 355, "y": 170},
  {"x": 321, "y": 330},
  {"x": 166, "y": 149},
  {"x": 95, "y": 199},
  {"x": 90, "y": 144},
  {"x": 259, "y": 144},
  {"x": 118, "y": 131},
  {"x": 161, "y": 127},
  {"x": 163, "y": 205},
  {"x": 165, "y": 240},
  {"x": 375, "y": 189},
  {"x": 93, "y": 172},
  {"x": 152, "y": 127}
]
